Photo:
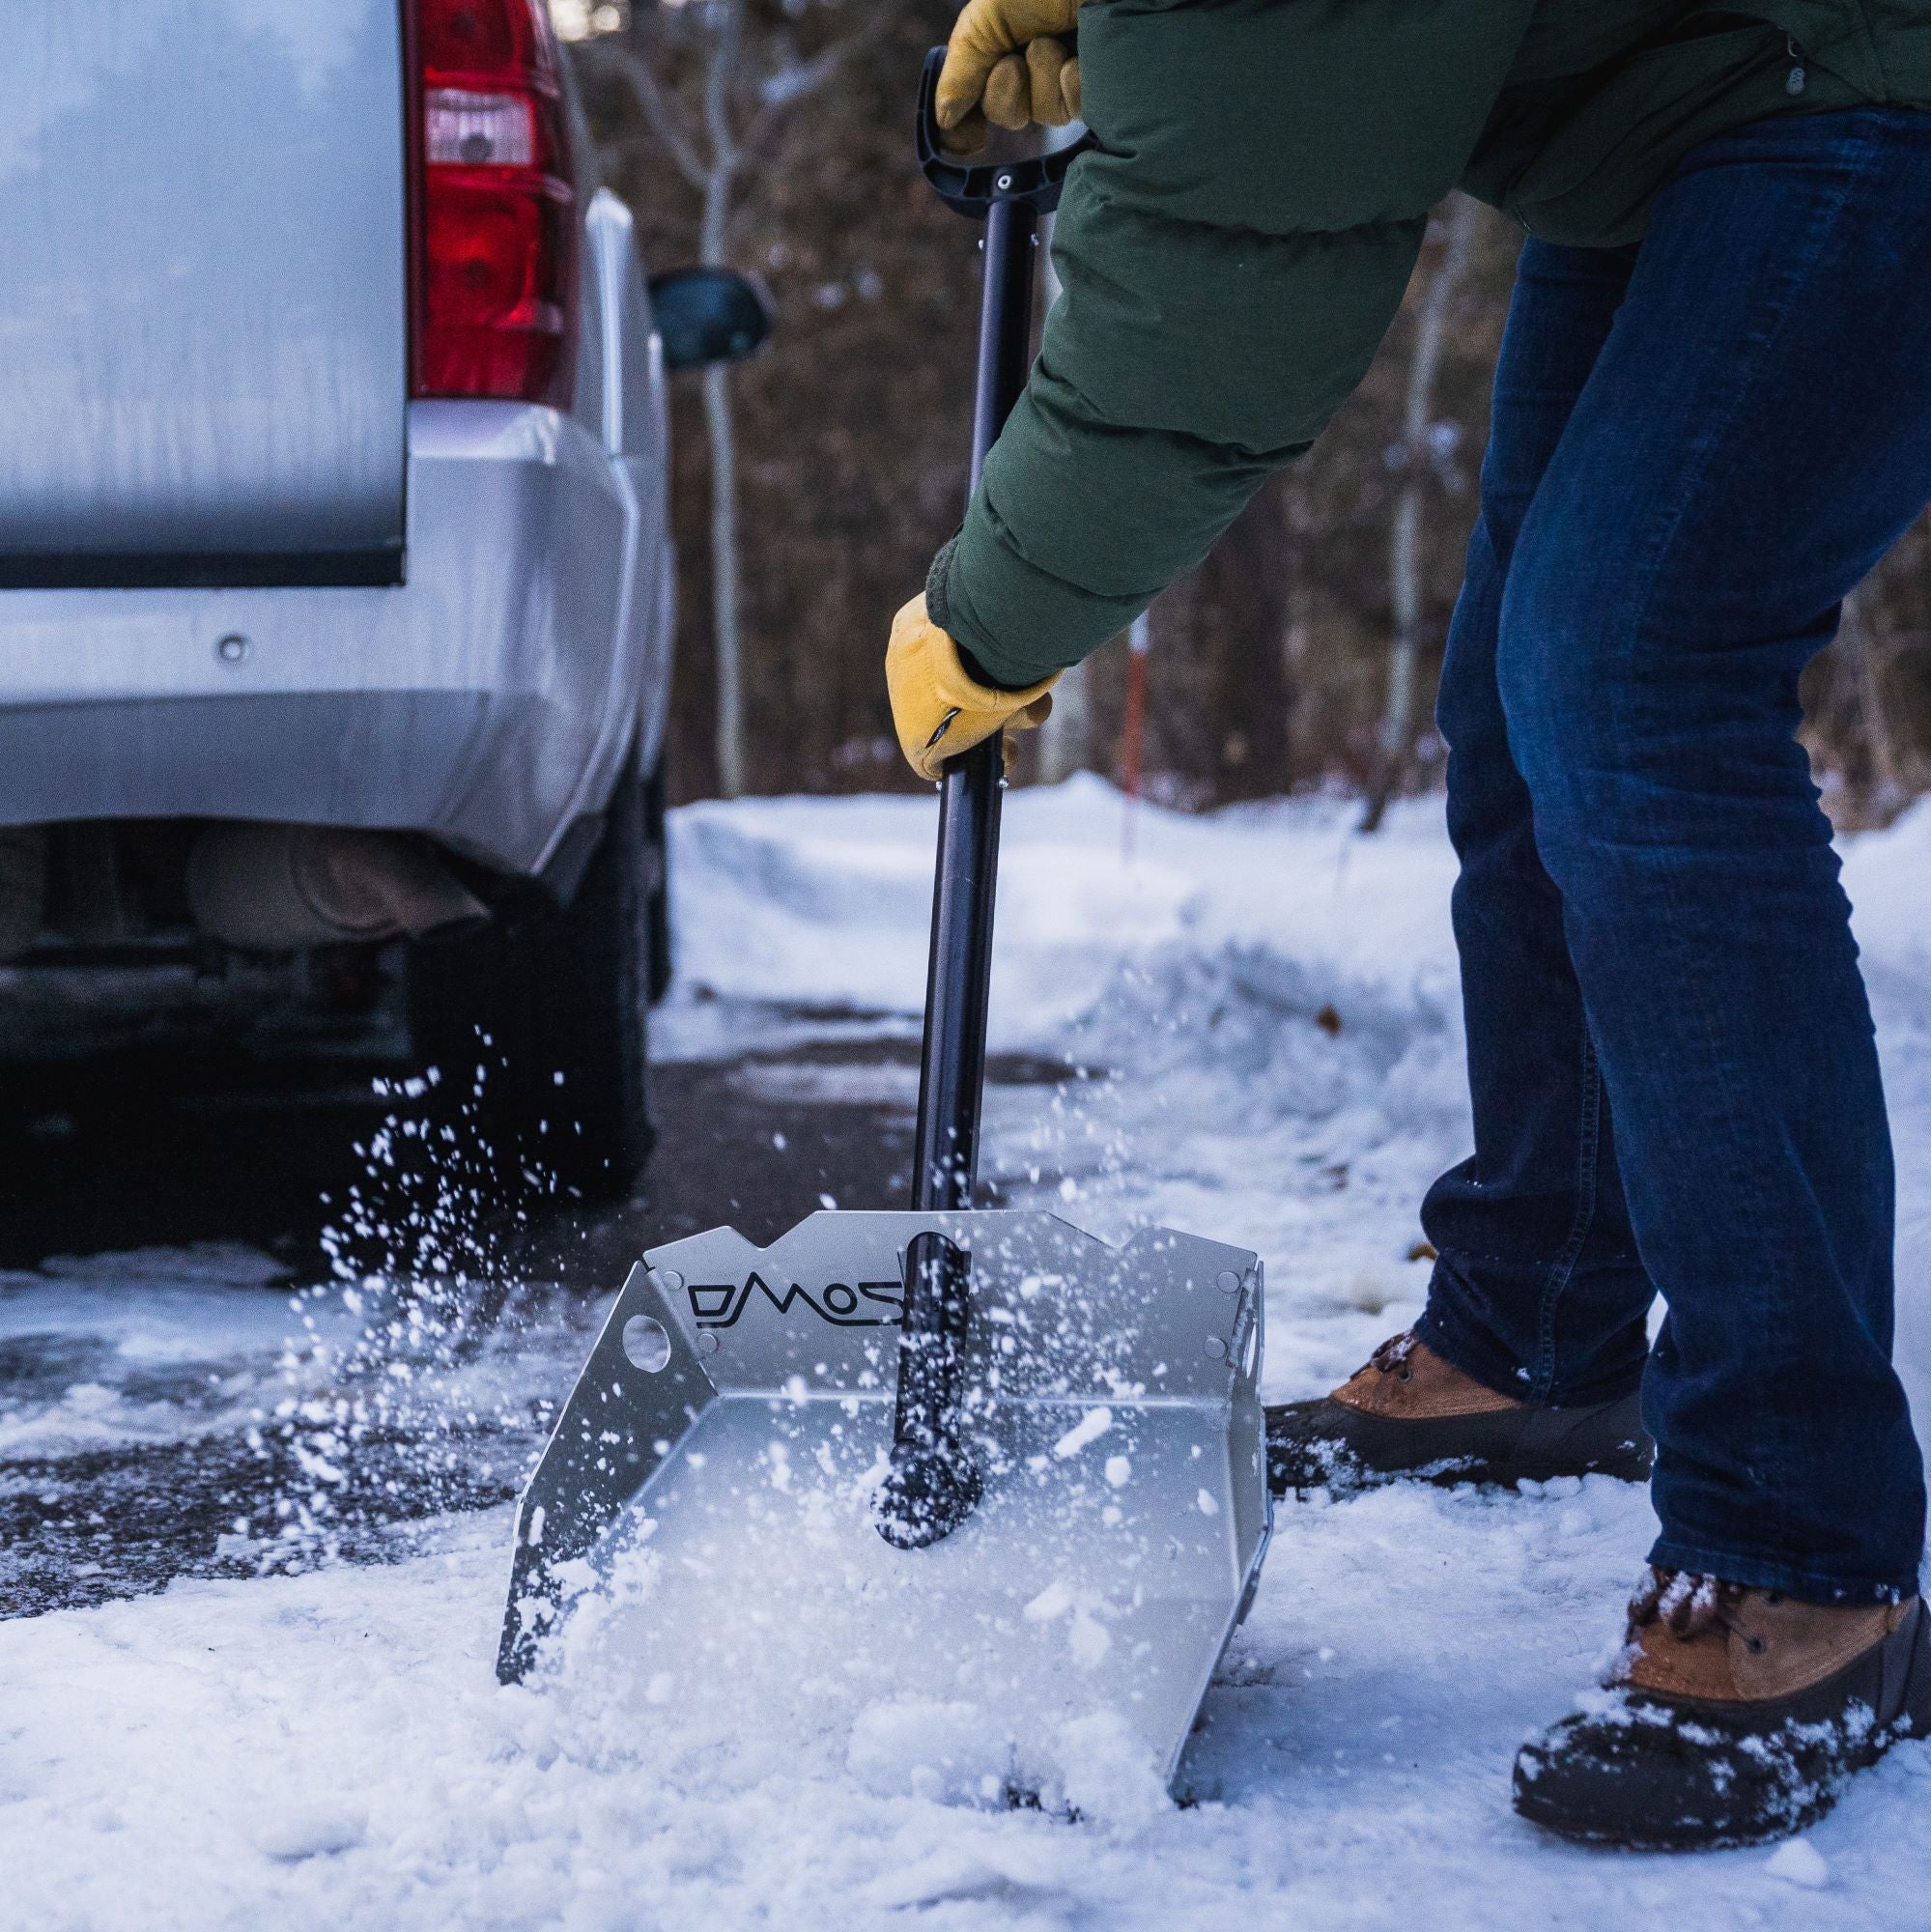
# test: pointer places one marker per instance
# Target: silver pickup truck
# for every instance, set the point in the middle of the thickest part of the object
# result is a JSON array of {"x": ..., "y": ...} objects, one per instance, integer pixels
[{"x": 335, "y": 582}]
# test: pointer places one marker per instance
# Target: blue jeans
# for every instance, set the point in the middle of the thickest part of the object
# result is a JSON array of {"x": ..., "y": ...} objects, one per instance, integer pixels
[{"x": 1701, "y": 445}]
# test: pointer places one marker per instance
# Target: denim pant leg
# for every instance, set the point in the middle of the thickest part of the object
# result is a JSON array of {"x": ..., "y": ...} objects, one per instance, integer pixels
[
  {"x": 1537, "y": 1289},
  {"x": 1755, "y": 434}
]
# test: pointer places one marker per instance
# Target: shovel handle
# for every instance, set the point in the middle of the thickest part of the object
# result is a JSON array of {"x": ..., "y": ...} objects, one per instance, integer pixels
[
  {"x": 932, "y": 1486},
  {"x": 959, "y": 982},
  {"x": 973, "y": 188}
]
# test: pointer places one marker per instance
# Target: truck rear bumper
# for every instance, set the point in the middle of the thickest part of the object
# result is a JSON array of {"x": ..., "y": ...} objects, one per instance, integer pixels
[{"x": 486, "y": 700}]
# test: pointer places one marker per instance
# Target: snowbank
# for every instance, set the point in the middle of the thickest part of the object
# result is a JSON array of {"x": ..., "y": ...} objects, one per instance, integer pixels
[{"x": 827, "y": 902}]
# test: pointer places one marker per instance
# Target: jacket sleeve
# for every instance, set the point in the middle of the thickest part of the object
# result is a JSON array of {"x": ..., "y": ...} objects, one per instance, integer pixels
[{"x": 1230, "y": 256}]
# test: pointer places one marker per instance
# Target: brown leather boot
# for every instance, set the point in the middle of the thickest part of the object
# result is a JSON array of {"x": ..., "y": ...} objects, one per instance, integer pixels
[
  {"x": 1734, "y": 1716},
  {"x": 1409, "y": 1413}
]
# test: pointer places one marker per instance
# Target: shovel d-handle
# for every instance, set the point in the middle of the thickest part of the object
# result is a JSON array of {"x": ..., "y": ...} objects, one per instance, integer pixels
[
  {"x": 973, "y": 188},
  {"x": 932, "y": 1486}
]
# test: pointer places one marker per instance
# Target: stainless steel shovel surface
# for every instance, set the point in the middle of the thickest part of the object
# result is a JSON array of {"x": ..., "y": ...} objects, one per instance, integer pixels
[
  {"x": 976, "y": 1469},
  {"x": 736, "y": 1419}
]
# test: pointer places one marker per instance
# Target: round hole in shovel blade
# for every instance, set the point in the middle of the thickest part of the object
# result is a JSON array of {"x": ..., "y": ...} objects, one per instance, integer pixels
[{"x": 647, "y": 1344}]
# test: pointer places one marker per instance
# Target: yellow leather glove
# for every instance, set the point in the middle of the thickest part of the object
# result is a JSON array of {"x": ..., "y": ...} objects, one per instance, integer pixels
[
  {"x": 1008, "y": 63},
  {"x": 938, "y": 707}
]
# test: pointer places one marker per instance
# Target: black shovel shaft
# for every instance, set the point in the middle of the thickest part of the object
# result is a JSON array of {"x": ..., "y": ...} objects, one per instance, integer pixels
[
  {"x": 958, "y": 985},
  {"x": 932, "y": 1484}
]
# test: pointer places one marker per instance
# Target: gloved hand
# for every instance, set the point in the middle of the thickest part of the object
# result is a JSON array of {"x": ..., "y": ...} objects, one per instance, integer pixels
[
  {"x": 939, "y": 708},
  {"x": 1008, "y": 63}
]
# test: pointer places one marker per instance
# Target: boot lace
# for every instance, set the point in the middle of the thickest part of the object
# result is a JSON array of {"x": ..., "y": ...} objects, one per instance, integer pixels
[
  {"x": 1392, "y": 1356},
  {"x": 1692, "y": 1604}
]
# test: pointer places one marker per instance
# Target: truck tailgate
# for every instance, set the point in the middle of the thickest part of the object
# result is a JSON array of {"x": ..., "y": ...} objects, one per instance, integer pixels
[{"x": 204, "y": 334}]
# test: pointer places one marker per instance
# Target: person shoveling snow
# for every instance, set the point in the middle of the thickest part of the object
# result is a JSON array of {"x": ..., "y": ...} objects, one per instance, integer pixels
[{"x": 1711, "y": 415}]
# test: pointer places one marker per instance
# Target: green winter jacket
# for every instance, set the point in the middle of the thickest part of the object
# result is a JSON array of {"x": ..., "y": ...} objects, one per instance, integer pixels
[{"x": 1236, "y": 247}]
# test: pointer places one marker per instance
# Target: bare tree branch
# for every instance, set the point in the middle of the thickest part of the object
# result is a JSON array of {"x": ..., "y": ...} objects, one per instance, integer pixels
[
  {"x": 711, "y": 155},
  {"x": 789, "y": 85},
  {"x": 661, "y": 112},
  {"x": 719, "y": 80},
  {"x": 799, "y": 79}
]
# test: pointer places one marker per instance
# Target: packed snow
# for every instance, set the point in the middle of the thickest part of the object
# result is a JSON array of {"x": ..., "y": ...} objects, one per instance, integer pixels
[{"x": 1263, "y": 1009}]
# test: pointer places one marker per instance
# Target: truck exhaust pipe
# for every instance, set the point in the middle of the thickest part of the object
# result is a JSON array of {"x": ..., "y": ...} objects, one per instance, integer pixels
[
  {"x": 23, "y": 888},
  {"x": 273, "y": 888}
]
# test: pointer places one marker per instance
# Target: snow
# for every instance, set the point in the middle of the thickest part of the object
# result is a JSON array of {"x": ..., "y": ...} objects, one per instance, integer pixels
[
  {"x": 1089, "y": 1427},
  {"x": 1274, "y": 1001},
  {"x": 1797, "y": 1861},
  {"x": 146, "y": 1343}
]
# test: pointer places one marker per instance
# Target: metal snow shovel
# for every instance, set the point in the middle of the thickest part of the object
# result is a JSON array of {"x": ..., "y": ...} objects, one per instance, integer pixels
[{"x": 1000, "y": 1482}]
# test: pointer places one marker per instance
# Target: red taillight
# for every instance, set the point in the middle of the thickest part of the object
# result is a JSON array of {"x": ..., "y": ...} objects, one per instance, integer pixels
[{"x": 496, "y": 235}]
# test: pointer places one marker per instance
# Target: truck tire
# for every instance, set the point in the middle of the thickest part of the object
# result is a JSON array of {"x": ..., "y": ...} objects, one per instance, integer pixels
[
  {"x": 657, "y": 875},
  {"x": 537, "y": 1023}
]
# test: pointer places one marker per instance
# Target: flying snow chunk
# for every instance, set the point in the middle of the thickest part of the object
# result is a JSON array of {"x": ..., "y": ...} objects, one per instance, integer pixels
[
  {"x": 1054, "y": 1601},
  {"x": 1089, "y": 1427},
  {"x": 1797, "y": 1861},
  {"x": 1089, "y": 1638}
]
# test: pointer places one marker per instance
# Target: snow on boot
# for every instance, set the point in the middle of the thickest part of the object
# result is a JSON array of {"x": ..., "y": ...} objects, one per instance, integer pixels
[
  {"x": 1731, "y": 1716},
  {"x": 1409, "y": 1413}
]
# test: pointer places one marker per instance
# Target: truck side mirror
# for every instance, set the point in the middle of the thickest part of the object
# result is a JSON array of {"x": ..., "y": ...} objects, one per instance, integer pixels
[{"x": 708, "y": 315}]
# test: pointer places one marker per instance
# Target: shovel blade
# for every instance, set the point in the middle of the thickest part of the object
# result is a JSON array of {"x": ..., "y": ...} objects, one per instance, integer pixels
[{"x": 717, "y": 1458}]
